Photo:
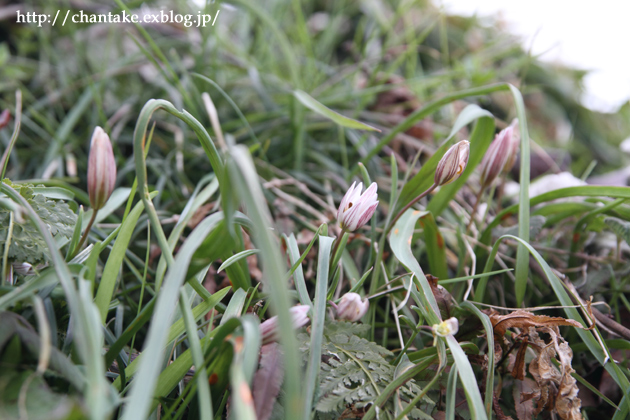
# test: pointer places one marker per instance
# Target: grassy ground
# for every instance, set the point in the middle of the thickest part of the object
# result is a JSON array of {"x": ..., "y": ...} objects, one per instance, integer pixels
[{"x": 234, "y": 145}]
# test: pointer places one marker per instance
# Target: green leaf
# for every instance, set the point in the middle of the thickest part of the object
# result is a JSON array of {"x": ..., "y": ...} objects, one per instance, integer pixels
[
  {"x": 400, "y": 242},
  {"x": 236, "y": 258},
  {"x": 141, "y": 393},
  {"x": 312, "y": 104},
  {"x": 522, "y": 258},
  {"x": 114, "y": 261},
  {"x": 27, "y": 244},
  {"x": 317, "y": 323},
  {"x": 356, "y": 370}
]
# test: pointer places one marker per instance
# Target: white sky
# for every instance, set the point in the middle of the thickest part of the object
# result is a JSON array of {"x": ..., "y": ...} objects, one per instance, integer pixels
[{"x": 590, "y": 35}]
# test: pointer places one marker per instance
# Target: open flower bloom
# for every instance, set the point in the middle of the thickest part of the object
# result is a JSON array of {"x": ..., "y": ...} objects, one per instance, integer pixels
[
  {"x": 269, "y": 328},
  {"x": 351, "y": 307},
  {"x": 453, "y": 163},
  {"x": 448, "y": 327},
  {"x": 356, "y": 209},
  {"x": 500, "y": 156},
  {"x": 101, "y": 169}
]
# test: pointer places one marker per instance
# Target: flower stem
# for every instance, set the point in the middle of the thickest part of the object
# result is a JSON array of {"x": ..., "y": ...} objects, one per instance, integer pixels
[
  {"x": 336, "y": 248},
  {"x": 411, "y": 203},
  {"x": 474, "y": 210},
  {"x": 86, "y": 233}
]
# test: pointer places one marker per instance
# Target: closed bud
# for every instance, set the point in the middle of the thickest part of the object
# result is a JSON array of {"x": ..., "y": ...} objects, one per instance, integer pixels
[
  {"x": 5, "y": 117},
  {"x": 453, "y": 163},
  {"x": 101, "y": 169},
  {"x": 515, "y": 142},
  {"x": 448, "y": 327},
  {"x": 351, "y": 307},
  {"x": 356, "y": 209},
  {"x": 269, "y": 328},
  {"x": 500, "y": 156}
]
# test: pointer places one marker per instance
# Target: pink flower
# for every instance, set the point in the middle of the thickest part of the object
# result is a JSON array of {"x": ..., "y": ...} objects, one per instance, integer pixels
[
  {"x": 453, "y": 163},
  {"x": 351, "y": 307},
  {"x": 269, "y": 328},
  {"x": 101, "y": 169},
  {"x": 356, "y": 209},
  {"x": 500, "y": 156}
]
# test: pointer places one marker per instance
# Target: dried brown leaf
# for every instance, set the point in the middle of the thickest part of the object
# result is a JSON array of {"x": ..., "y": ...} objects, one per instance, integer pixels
[
  {"x": 522, "y": 392},
  {"x": 524, "y": 319},
  {"x": 555, "y": 389}
]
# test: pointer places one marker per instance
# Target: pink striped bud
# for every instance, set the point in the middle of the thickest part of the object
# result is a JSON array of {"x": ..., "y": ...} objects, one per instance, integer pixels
[
  {"x": 351, "y": 307},
  {"x": 356, "y": 209},
  {"x": 101, "y": 169},
  {"x": 5, "y": 117},
  {"x": 269, "y": 328},
  {"x": 514, "y": 145},
  {"x": 500, "y": 156},
  {"x": 453, "y": 163}
]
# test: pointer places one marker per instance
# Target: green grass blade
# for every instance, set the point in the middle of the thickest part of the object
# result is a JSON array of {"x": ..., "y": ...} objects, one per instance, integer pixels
[
  {"x": 522, "y": 257},
  {"x": 237, "y": 258},
  {"x": 312, "y": 104},
  {"x": 400, "y": 242},
  {"x": 203, "y": 392},
  {"x": 247, "y": 183},
  {"x": 298, "y": 274},
  {"x": 317, "y": 324},
  {"x": 143, "y": 386},
  {"x": 468, "y": 379},
  {"x": 84, "y": 318},
  {"x": 115, "y": 260},
  {"x": 451, "y": 394},
  {"x": 487, "y": 326}
]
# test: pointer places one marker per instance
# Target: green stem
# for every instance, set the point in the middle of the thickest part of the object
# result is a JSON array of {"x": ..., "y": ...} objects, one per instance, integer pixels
[
  {"x": 411, "y": 203},
  {"x": 474, "y": 210},
  {"x": 86, "y": 233}
]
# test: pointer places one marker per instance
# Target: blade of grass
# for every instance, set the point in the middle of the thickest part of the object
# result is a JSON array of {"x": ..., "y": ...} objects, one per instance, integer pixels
[
  {"x": 114, "y": 262},
  {"x": 317, "y": 324},
  {"x": 142, "y": 388},
  {"x": 312, "y": 104},
  {"x": 246, "y": 182},
  {"x": 203, "y": 393},
  {"x": 487, "y": 325},
  {"x": 522, "y": 257},
  {"x": 298, "y": 274}
]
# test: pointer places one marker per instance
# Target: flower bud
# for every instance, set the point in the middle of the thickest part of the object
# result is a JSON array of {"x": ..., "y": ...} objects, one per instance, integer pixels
[
  {"x": 448, "y": 327},
  {"x": 514, "y": 145},
  {"x": 453, "y": 163},
  {"x": 356, "y": 209},
  {"x": 101, "y": 169},
  {"x": 500, "y": 156},
  {"x": 269, "y": 328},
  {"x": 5, "y": 117},
  {"x": 351, "y": 307}
]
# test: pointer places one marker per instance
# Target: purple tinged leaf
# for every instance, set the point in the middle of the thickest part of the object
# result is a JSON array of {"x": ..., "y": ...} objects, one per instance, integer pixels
[{"x": 267, "y": 380}]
